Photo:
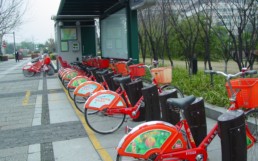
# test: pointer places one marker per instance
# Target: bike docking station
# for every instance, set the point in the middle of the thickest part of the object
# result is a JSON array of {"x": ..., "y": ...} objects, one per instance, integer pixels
[
  {"x": 133, "y": 90},
  {"x": 232, "y": 132},
  {"x": 195, "y": 116}
]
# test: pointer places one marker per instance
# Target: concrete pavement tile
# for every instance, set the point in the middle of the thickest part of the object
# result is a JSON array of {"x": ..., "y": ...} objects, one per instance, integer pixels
[
  {"x": 57, "y": 96},
  {"x": 59, "y": 105},
  {"x": 76, "y": 149},
  {"x": 34, "y": 157},
  {"x": 53, "y": 84},
  {"x": 38, "y": 101},
  {"x": 40, "y": 85},
  {"x": 59, "y": 116},
  {"x": 34, "y": 148},
  {"x": 36, "y": 121},
  {"x": 14, "y": 151}
]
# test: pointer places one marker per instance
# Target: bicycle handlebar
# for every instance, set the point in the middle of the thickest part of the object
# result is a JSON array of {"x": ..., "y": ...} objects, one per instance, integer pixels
[{"x": 229, "y": 76}]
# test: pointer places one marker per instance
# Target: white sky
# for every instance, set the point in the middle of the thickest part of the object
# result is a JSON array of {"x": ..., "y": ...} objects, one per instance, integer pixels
[{"x": 37, "y": 24}]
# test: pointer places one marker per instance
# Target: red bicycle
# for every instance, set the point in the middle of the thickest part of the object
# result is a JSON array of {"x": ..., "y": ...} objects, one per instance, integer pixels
[
  {"x": 112, "y": 107},
  {"x": 37, "y": 65},
  {"x": 158, "y": 140}
]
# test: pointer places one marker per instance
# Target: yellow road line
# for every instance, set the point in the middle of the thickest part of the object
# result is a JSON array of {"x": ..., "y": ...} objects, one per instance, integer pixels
[
  {"x": 26, "y": 99},
  {"x": 95, "y": 142}
]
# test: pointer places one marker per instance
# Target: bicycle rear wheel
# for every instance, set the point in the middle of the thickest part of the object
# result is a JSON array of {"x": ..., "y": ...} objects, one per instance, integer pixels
[
  {"x": 102, "y": 123},
  {"x": 252, "y": 122},
  {"x": 169, "y": 87},
  {"x": 27, "y": 73}
]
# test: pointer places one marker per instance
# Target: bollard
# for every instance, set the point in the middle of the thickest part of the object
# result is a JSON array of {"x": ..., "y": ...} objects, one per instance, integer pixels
[
  {"x": 196, "y": 118},
  {"x": 108, "y": 80},
  {"x": 233, "y": 136},
  {"x": 167, "y": 114},
  {"x": 133, "y": 90},
  {"x": 114, "y": 86},
  {"x": 151, "y": 100}
]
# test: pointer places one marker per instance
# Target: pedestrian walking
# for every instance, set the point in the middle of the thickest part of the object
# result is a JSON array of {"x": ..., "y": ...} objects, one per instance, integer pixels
[{"x": 17, "y": 56}]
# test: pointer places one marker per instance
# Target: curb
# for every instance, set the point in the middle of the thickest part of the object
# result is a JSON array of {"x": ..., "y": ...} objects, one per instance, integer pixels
[{"x": 213, "y": 112}]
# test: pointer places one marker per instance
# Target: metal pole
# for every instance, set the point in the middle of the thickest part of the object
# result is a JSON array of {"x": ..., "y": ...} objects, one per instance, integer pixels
[{"x": 14, "y": 47}]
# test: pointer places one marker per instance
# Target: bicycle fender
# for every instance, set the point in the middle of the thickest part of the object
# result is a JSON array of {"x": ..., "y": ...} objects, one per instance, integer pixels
[
  {"x": 153, "y": 137},
  {"x": 105, "y": 99},
  {"x": 62, "y": 71},
  {"x": 87, "y": 88},
  {"x": 76, "y": 81},
  {"x": 69, "y": 75}
]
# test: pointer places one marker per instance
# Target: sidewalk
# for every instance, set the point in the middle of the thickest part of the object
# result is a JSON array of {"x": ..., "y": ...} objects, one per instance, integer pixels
[{"x": 38, "y": 122}]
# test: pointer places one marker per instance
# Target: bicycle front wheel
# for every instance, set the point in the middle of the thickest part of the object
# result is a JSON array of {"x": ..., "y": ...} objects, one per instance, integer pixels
[
  {"x": 28, "y": 73},
  {"x": 169, "y": 87},
  {"x": 70, "y": 92},
  {"x": 103, "y": 123},
  {"x": 65, "y": 83},
  {"x": 79, "y": 102},
  {"x": 252, "y": 123},
  {"x": 123, "y": 158}
]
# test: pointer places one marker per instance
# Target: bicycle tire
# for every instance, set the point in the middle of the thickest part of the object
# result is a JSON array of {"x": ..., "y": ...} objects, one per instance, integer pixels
[
  {"x": 28, "y": 73},
  {"x": 252, "y": 123},
  {"x": 124, "y": 158},
  {"x": 70, "y": 92},
  {"x": 79, "y": 102},
  {"x": 102, "y": 123},
  {"x": 65, "y": 83},
  {"x": 170, "y": 87},
  {"x": 51, "y": 70}
]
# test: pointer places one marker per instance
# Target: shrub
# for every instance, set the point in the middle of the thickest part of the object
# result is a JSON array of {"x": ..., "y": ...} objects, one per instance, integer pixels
[
  {"x": 3, "y": 58},
  {"x": 52, "y": 56},
  {"x": 199, "y": 85}
]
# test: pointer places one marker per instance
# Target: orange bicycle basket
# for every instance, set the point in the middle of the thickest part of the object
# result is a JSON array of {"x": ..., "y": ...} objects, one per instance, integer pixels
[{"x": 247, "y": 89}]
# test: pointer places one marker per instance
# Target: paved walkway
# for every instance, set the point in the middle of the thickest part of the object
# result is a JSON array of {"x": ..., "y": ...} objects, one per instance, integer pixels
[{"x": 39, "y": 123}]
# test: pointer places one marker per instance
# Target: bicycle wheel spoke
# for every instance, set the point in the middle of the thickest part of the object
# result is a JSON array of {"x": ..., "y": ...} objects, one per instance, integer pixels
[
  {"x": 28, "y": 73},
  {"x": 102, "y": 123},
  {"x": 79, "y": 102}
]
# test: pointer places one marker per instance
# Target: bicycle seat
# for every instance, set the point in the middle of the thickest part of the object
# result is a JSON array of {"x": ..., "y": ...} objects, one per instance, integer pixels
[
  {"x": 122, "y": 80},
  {"x": 181, "y": 103},
  {"x": 102, "y": 72}
]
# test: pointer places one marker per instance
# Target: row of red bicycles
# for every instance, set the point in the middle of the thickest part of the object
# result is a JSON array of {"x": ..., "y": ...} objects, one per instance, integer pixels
[{"x": 98, "y": 89}]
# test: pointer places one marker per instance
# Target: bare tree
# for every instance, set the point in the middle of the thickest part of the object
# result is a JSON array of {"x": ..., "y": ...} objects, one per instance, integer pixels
[
  {"x": 242, "y": 14},
  {"x": 11, "y": 12},
  {"x": 152, "y": 30},
  {"x": 50, "y": 44},
  {"x": 187, "y": 30}
]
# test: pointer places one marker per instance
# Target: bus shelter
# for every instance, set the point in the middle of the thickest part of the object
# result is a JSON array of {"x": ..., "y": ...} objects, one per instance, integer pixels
[{"x": 106, "y": 28}]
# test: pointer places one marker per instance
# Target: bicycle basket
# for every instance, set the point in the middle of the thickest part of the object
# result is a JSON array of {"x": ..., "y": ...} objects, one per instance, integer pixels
[
  {"x": 137, "y": 70},
  {"x": 121, "y": 68},
  {"x": 247, "y": 89},
  {"x": 103, "y": 63},
  {"x": 162, "y": 74}
]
